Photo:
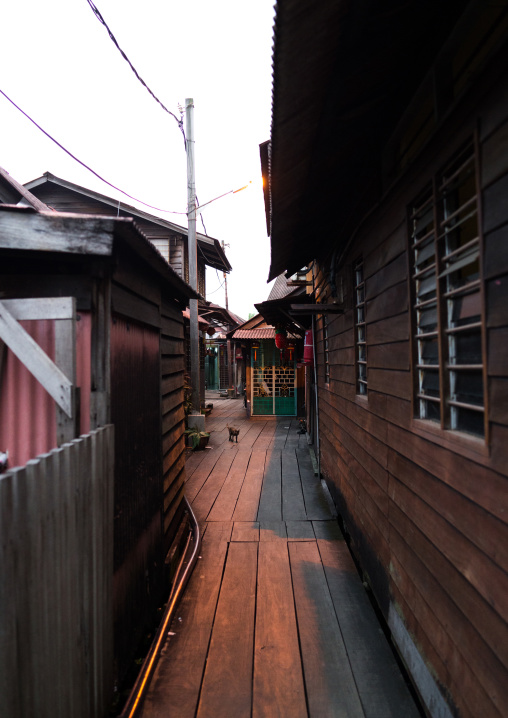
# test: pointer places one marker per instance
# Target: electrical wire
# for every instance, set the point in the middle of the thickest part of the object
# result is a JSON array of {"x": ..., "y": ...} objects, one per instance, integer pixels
[
  {"x": 76, "y": 159},
  {"x": 122, "y": 53},
  {"x": 216, "y": 290}
]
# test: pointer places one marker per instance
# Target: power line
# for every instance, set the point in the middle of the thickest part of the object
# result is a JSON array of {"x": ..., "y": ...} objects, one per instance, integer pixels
[
  {"x": 110, "y": 184},
  {"x": 145, "y": 204},
  {"x": 122, "y": 53}
]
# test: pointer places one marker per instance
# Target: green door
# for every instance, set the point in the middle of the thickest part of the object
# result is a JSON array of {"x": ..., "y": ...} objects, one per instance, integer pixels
[{"x": 273, "y": 381}]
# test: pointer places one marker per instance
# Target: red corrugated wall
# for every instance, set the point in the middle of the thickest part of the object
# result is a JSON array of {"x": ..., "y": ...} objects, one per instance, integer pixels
[{"x": 27, "y": 412}]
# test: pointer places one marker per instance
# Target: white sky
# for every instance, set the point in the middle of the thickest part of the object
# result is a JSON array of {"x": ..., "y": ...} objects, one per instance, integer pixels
[{"x": 60, "y": 66}]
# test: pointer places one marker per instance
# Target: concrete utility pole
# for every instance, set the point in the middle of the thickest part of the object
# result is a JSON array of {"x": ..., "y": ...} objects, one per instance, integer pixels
[{"x": 193, "y": 258}]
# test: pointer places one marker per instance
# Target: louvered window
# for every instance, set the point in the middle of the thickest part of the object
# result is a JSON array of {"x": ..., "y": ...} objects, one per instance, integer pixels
[
  {"x": 447, "y": 299},
  {"x": 360, "y": 329},
  {"x": 326, "y": 355}
]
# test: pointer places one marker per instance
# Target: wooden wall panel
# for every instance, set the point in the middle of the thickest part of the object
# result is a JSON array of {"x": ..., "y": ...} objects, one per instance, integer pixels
[{"x": 430, "y": 506}]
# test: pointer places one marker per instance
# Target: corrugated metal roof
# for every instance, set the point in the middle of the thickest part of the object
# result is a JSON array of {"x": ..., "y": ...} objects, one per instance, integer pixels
[
  {"x": 280, "y": 288},
  {"x": 361, "y": 65},
  {"x": 211, "y": 248},
  {"x": 264, "y": 333}
]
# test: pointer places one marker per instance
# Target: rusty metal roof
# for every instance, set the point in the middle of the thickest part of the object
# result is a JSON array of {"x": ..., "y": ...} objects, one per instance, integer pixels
[
  {"x": 343, "y": 75},
  {"x": 210, "y": 248}
]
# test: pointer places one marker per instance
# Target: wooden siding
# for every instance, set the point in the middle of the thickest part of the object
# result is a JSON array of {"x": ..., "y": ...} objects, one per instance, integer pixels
[
  {"x": 56, "y": 553},
  {"x": 173, "y": 416},
  {"x": 427, "y": 509}
]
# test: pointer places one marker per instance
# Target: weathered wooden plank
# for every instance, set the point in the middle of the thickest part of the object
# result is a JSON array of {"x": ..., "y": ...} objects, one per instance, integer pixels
[
  {"x": 230, "y": 656},
  {"x": 272, "y": 531},
  {"x": 380, "y": 685},
  {"x": 213, "y": 484},
  {"x": 433, "y": 620},
  {"x": 480, "y": 570},
  {"x": 329, "y": 681},
  {"x": 246, "y": 508},
  {"x": 41, "y": 308},
  {"x": 293, "y": 506},
  {"x": 278, "y": 688},
  {"x": 224, "y": 506},
  {"x": 390, "y": 303},
  {"x": 135, "y": 307},
  {"x": 56, "y": 233},
  {"x": 316, "y": 503},
  {"x": 300, "y": 531},
  {"x": 270, "y": 502},
  {"x": 386, "y": 331},
  {"x": 394, "y": 383},
  {"x": 245, "y": 531},
  {"x": 478, "y": 613},
  {"x": 174, "y": 689}
]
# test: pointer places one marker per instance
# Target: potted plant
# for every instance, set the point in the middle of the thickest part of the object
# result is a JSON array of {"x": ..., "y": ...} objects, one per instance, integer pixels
[{"x": 195, "y": 439}]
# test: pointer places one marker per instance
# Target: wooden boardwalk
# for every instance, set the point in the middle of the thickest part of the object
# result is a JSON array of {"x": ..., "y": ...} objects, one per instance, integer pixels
[{"x": 275, "y": 621}]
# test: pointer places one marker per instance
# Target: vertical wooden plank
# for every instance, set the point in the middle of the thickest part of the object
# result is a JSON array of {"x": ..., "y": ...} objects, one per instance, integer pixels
[
  {"x": 278, "y": 681},
  {"x": 270, "y": 502},
  {"x": 293, "y": 506},
  {"x": 26, "y": 589},
  {"x": 101, "y": 362},
  {"x": 65, "y": 359},
  {"x": 174, "y": 689},
  {"x": 67, "y": 558},
  {"x": 329, "y": 680},
  {"x": 380, "y": 683},
  {"x": 230, "y": 655},
  {"x": 317, "y": 506},
  {"x": 248, "y": 501},
  {"x": 224, "y": 505},
  {"x": 10, "y": 684},
  {"x": 107, "y": 480}
]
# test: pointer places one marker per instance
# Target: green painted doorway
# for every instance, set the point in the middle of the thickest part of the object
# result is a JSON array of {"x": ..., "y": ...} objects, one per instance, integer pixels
[{"x": 273, "y": 381}]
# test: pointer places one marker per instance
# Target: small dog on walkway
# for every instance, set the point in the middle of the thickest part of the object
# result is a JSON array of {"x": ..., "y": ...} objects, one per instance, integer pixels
[{"x": 233, "y": 433}]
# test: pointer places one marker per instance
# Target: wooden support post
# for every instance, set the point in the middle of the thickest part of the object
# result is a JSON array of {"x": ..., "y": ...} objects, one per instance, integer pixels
[{"x": 100, "y": 369}]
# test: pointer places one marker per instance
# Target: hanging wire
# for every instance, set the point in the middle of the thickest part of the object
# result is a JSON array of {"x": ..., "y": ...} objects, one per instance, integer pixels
[
  {"x": 145, "y": 204},
  {"x": 201, "y": 216},
  {"x": 216, "y": 290},
  {"x": 122, "y": 53}
]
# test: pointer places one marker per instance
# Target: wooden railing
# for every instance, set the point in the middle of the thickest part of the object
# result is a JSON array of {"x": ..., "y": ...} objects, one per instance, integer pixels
[{"x": 56, "y": 568}]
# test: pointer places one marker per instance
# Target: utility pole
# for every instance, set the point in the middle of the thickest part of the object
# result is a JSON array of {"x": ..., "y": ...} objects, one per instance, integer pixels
[
  {"x": 225, "y": 277},
  {"x": 193, "y": 258}
]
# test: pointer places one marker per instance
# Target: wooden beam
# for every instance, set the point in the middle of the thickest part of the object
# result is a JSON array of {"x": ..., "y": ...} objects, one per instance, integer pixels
[
  {"x": 316, "y": 309},
  {"x": 67, "y": 428},
  {"x": 72, "y": 234},
  {"x": 41, "y": 308},
  {"x": 36, "y": 360}
]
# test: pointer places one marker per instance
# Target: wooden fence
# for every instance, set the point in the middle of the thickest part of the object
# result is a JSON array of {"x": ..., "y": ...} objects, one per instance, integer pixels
[{"x": 56, "y": 567}]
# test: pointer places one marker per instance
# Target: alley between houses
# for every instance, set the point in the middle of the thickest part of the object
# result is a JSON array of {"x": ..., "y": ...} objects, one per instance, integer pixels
[{"x": 275, "y": 620}]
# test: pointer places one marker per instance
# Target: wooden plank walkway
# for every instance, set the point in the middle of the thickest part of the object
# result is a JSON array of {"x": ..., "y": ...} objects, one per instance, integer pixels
[{"x": 275, "y": 621}]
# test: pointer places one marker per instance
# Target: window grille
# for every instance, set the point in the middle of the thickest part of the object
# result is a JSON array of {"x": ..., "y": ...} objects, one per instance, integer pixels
[
  {"x": 447, "y": 289},
  {"x": 360, "y": 329},
  {"x": 326, "y": 355}
]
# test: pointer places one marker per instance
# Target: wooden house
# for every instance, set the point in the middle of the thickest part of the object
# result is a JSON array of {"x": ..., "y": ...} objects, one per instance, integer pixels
[
  {"x": 169, "y": 239},
  {"x": 388, "y": 175},
  {"x": 105, "y": 311},
  {"x": 222, "y": 368},
  {"x": 274, "y": 378}
]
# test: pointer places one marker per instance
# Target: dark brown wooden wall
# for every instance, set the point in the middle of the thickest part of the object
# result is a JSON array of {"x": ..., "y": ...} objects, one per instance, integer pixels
[{"x": 427, "y": 510}]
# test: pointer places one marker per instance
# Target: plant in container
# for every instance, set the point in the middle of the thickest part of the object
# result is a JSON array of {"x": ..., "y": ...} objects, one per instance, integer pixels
[{"x": 195, "y": 439}]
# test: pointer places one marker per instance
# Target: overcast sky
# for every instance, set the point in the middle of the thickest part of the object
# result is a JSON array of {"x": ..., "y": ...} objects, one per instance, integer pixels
[{"x": 60, "y": 66}]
